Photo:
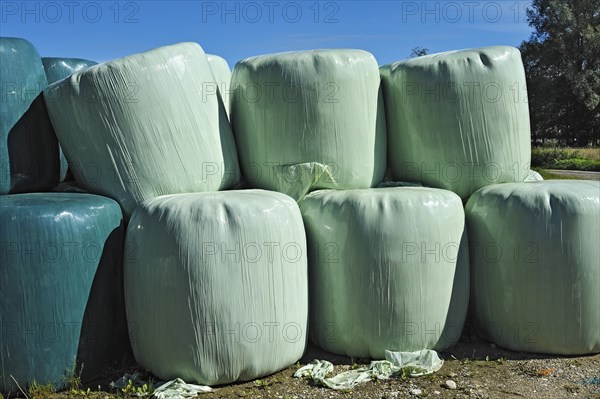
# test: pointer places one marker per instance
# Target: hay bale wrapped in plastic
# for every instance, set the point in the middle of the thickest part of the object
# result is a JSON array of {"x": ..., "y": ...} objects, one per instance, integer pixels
[
  {"x": 534, "y": 265},
  {"x": 308, "y": 120},
  {"x": 388, "y": 269},
  {"x": 29, "y": 155},
  {"x": 458, "y": 120},
  {"x": 57, "y": 69},
  {"x": 219, "y": 291},
  {"x": 222, "y": 72},
  {"x": 61, "y": 288},
  {"x": 143, "y": 126}
]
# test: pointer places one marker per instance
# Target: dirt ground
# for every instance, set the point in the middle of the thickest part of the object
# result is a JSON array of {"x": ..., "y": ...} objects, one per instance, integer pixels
[{"x": 479, "y": 369}]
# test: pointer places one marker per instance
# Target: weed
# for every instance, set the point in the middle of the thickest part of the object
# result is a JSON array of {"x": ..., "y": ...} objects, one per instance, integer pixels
[
  {"x": 35, "y": 390},
  {"x": 264, "y": 383},
  {"x": 143, "y": 390}
]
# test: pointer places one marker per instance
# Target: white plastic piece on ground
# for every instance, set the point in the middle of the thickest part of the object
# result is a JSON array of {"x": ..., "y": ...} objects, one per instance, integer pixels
[
  {"x": 174, "y": 389},
  {"x": 218, "y": 291},
  {"x": 458, "y": 120},
  {"x": 222, "y": 73},
  {"x": 308, "y": 120},
  {"x": 142, "y": 126},
  {"x": 413, "y": 364},
  {"x": 179, "y": 389}
]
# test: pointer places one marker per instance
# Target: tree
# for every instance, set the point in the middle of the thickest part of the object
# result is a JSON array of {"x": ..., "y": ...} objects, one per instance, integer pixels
[
  {"x": 562, "y": 65},
  {"x": 418, "y": 52}
]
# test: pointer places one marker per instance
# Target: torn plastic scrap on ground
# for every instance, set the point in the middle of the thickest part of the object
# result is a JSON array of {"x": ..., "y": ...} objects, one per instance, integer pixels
[
  {"x": 307, "y": 120},
  {"x": 412, "y": 364},
  {"x": 174, "y": 389}
]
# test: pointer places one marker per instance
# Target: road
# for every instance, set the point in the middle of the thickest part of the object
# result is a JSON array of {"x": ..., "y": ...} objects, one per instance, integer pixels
[{"x": 579, "y": 174}]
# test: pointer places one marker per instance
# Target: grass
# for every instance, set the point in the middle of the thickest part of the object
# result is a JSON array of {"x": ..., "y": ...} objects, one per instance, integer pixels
[
  {"x": 553, "y": 176},
  {"x": 587, "y": 159}
]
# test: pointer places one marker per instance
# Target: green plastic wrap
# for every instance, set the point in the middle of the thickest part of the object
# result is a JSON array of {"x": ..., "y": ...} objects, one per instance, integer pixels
[
  {"x": 308, "y": 120},
  {"x": 222, "y": 73},
  {"x": 57, "y": 69},
  {"x": 458, "y": 120},
  {"x": 219, "y": 291},
  {"x": 61, "y": 288},
  {"x": 142, "y": 126},
  {"x": 388, "y": 269},
  {"x": 535, "y": 265},
  {"x": 29, "y": 155}
]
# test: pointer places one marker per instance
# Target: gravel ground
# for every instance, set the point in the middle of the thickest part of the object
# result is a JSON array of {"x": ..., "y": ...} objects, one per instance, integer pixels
[{"x": 479, "y": 370}]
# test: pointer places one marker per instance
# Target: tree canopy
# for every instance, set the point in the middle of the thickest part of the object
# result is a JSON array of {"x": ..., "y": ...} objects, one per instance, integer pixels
[{"x": 562, "y": 64}]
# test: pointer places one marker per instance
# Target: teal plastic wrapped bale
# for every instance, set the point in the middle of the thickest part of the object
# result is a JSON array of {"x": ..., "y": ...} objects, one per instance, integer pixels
[
  {"x": 309, "y": 120},
  {"x": 61, "y": 293},
  {"x": 57, "y": 69},
  {"x": 535, "y": 269},
  {"x": 29, "y": 155},
  {"x": 222, "y": 73},
  {"x": 143, "y": 126},
  {"x": 388, "y": 269},
  {"x": 219, "y": 291},
  {"x": 458, "y": 120}
]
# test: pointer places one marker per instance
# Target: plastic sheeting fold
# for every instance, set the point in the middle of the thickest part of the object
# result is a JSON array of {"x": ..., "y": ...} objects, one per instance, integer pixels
[
  {"x": 308, "y": 120},
  {"x": 535, "y": 265},
  {"x": 57, "y": 69},
  {"x": 219, "y": 291},
  {"x": 458, "y": 120},
  {"x": 61, "y": 287},
  {"x": 388, "y": 269},
  {"x": 143, "y": 126},
  {"x": 29, "y": 154}
]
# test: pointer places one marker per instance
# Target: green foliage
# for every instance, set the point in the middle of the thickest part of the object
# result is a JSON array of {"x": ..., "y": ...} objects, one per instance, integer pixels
[
  {"x": 132, "y": 389},
  {"x": 418, "y": 52},
  {"x": 562, "y": 64},
  {"x": 562, "y": 158}
]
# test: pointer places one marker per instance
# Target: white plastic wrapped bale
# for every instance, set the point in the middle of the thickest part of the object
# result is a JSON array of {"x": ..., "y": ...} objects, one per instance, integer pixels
[
  {"x": 535, "y": 269},
  {"x": 458, "y": 120},
  {"x": 388, "y": 269},
  {"x": 222, "y": 73},
  {"x": 57, "y": 69},
  {"x": 308, "y": 120},
  {"x": 29, "y": 155},
  {"x": 142, "y": 126},
  {"x": 219, "y": 291},
  {"x": 61, "y": 288}
]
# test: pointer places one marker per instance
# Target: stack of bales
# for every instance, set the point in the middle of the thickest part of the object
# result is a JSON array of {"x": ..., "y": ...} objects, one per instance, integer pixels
[
  {"x": 210, "y": 295},
  {"x": 216, "y": 284},
  {"x": 459, "y": 120},
  {"x": 61, "y": 295},
  {"x": 314, "y": 120}
]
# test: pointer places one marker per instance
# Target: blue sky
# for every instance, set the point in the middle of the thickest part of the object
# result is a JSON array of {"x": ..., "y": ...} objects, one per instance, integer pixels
[{"x": 104, "y": 30}]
